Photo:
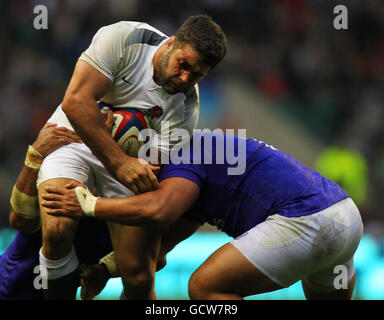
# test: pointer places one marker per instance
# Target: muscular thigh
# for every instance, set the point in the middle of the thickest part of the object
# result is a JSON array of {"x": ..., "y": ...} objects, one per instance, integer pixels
[
  {"x": 58, "y": 232},
  {"x": 228, "y": 271},
  {"x": 135, "y": 247},
  {"x": 68, "y": 162},
  {"x": 65, "y": 164},
  {"x": 48, "y": 220}
]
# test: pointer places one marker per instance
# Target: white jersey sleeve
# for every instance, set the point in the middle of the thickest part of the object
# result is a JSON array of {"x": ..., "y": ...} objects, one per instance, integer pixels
[{"x": 107, "y": 48}]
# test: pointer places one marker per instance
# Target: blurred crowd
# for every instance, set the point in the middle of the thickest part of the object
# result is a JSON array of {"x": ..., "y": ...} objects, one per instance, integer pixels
[{"x": 326, "y": 79}]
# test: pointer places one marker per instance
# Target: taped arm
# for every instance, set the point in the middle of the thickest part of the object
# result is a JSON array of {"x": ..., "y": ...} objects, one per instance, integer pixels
[
  {"x": 24, "y": 212},
  {"x": 24, "y": 207}
]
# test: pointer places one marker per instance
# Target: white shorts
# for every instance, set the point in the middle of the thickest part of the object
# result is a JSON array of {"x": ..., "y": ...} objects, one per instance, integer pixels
[
  {"x": 306, "y": 247},
  {"x": 60, "y": 118},
  {"x": 76, "y": 161}
]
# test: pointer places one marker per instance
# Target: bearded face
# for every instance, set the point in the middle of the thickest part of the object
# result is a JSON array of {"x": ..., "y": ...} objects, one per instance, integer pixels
[{"x": 179, "y": 69}]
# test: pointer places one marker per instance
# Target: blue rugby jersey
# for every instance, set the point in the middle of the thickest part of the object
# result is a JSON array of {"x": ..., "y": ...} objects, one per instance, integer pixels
[
  {"x": 272, "y": 183},
  {"x": 17, "y": 267}
]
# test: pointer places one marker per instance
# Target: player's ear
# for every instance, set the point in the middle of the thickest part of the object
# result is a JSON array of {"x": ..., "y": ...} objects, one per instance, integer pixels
[{"x": 170, "y": 42}]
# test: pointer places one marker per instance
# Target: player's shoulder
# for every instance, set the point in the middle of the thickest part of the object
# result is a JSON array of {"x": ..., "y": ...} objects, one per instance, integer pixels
[
  {"x": 134, "y": 32},
  {"x": 143, "y": 33}
]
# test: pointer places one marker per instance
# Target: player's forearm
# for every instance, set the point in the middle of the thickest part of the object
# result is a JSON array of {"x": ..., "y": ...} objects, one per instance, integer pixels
[
  {"x": 24, "y": 213},
  {"x": 26, "y": 181},
  {"x": 24, "y": 193},
  {"x": 164, "y": 205},
  {"x": 85, "y": 117},
  {"x": 25, "y": 222},
  {"x": 144, "y": 209}
]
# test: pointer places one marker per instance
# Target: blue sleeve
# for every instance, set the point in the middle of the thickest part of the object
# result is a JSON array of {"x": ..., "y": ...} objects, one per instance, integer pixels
[{"x": 194, "y": 173}]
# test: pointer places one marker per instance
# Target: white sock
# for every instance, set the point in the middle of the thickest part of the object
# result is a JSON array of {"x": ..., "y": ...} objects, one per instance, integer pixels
[{"x": 53, "y": 269}]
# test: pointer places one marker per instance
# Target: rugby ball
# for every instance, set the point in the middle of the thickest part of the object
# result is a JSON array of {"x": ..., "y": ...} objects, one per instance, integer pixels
[{"x": 126, "y": 129}]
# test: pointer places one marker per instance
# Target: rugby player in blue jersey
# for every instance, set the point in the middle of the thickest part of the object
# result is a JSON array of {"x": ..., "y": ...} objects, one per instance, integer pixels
[{"x": 289, "y": 223}]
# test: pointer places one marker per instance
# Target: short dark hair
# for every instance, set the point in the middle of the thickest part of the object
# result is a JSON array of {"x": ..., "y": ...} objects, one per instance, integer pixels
[{"x": 205, "y": 36}]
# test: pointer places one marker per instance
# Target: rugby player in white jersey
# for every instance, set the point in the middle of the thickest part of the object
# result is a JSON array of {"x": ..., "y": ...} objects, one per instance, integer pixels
[{"x": 128, "y": 64}]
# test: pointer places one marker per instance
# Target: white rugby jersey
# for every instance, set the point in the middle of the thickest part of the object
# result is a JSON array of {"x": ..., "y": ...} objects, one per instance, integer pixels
[{"x": 124, "y": 53}]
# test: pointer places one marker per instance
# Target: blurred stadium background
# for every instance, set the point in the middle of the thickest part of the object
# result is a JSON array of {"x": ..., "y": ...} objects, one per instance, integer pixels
[{"x": 289, "y": 78}]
